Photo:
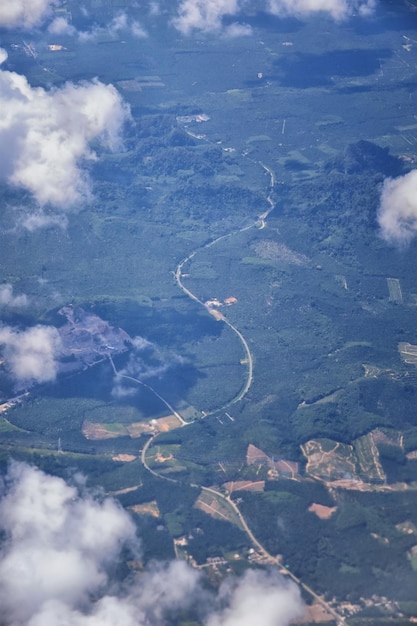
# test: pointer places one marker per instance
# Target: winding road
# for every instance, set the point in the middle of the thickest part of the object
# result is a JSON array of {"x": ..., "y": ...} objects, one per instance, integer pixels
[
  {"x": 190, "y": 294},
  {"x": 178, "y": 275}
]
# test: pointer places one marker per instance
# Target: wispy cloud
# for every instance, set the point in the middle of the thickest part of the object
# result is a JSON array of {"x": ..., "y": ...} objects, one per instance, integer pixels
[
  {"x": 146, "y": 361},
  {"x": 397, "y": 215},
  {"x": 154, "y": 8},
  {"x": 31, "y": 355},
  {"x": 41, "y": 219},
  {"x": 10, "y": 300},
  {"x": 46, "y": 135}
]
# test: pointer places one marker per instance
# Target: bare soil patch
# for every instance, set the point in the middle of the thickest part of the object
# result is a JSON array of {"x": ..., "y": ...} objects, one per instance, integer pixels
[
  {"x": 147, "y": 508},
  {"x": 165, "y": 424},
  {"x": 125, "y": 458},
  {"x": 322, "y": 511}
]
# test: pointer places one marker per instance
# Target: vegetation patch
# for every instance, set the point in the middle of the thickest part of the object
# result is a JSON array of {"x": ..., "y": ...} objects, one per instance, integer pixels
[{"x": 278, "y": 251}]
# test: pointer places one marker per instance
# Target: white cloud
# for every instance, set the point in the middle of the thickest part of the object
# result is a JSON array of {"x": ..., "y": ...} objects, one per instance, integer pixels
[
  {"x": 237, "y": 30},
  {"x": 205, "y": 15},
  {"x": 31, "y": 355},
  {"x": 159, "y": 591},
  {"x": 61, "y": 26},
  {"x": 170, "y": 586},
  {"x": 58, "y": 545},
  {"x": 397, "y": 214},
  {"x": 137, "y": 30},
  {"x": 8, "y": 299},
  {"x": 46, "y": 135},
  {"x": 338, "y": 9},
  {"x": 121, "y": 23},
  {"x": 253, "y": 601},
  {"x": 258, "y": 598},
  {"x": 40, "y": 219},
  {"x": 58, "y": 551},
  {"x": 154, "y": 8},
  {"x": 109, "y": 611},
  {"x": 59, "y": 548},
  {"x": 25, "y": 13}
]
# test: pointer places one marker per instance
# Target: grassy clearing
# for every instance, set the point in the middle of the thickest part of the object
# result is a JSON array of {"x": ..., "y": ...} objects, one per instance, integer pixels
[
  {"x": 7, "y": 427},
  {"x": 96, "y": 431}
]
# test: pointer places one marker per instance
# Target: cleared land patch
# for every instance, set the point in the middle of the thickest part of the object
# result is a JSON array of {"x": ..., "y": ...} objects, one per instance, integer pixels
[
  {"x": 317, "y": 614},
  {"x": 368, "y": 458},
  {"x": 165, "y": 424},
  {"x": 322, "y": 511},
  {"x": 275, "y": 251},
  {"x": 124, "y": 458},
  {"x": 276, "y": 468},
  {"x": 331, "y": 397},
  {"x": 341, "y": 280},
  {"x": 97, "y": 430},
  {"x": 394, "y": 288},
  {"x": 119, "y": 492},
  {"x": 147, "y": 508},
  {"x": 111, "y": 430},
  {"x": 407, "y": 527},
  {"x": 163, "y": 459},
  {"x": 244, "y": 485},
  {"x": 162, "y": 454},
  {"x": 331, "y": 461},
  {"x": 408, "y": 352},
  {"x": 216, "y": 506}
]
